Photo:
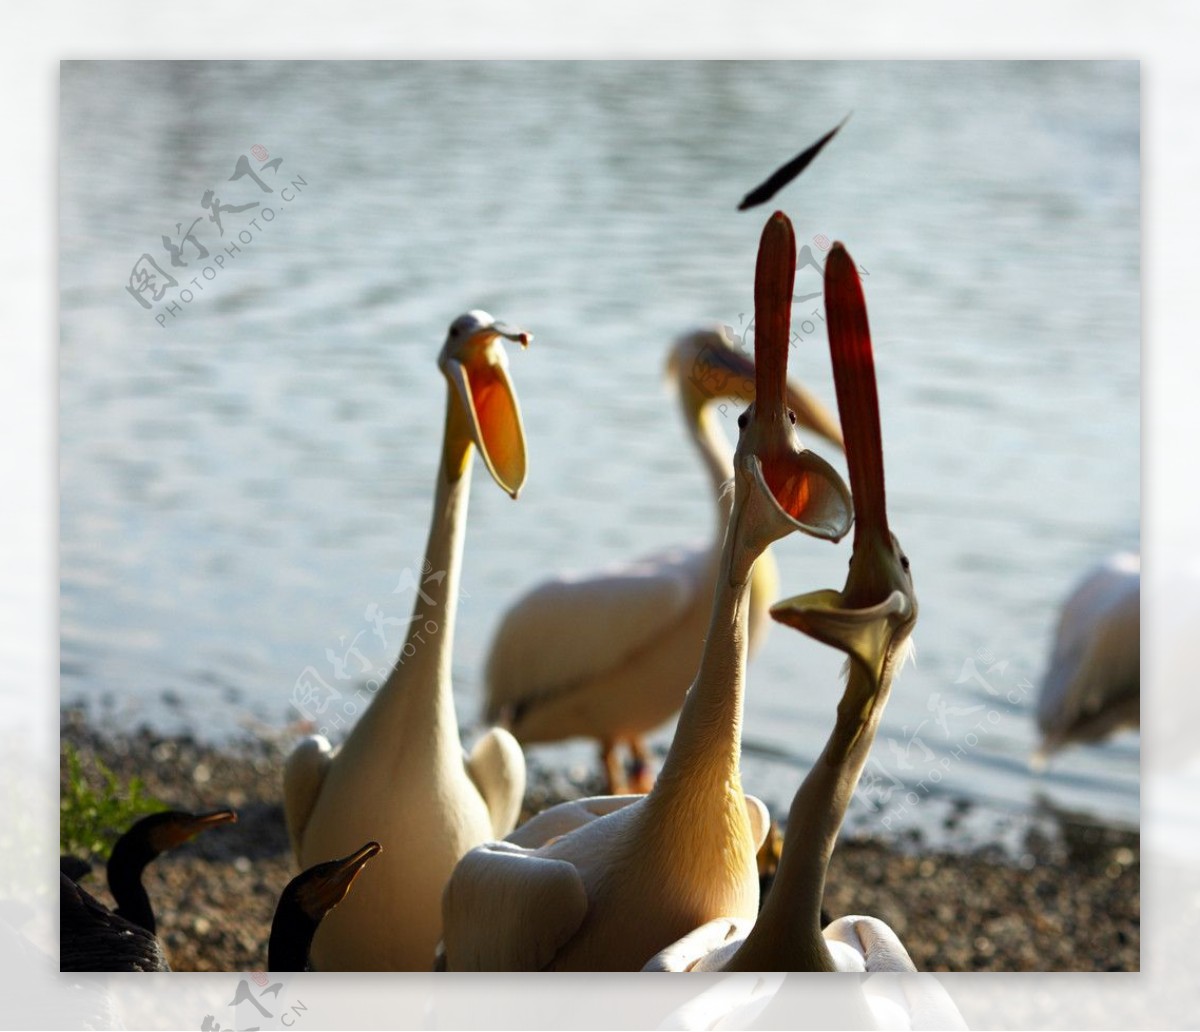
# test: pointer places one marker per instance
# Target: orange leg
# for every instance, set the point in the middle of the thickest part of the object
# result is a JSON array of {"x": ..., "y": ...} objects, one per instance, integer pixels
[
  {"x": 641, "y": 779},
  {"x": 612, "y": 768}
]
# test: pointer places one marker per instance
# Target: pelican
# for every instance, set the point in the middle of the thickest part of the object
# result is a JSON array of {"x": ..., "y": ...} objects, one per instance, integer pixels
[
  {"x": 611, "y": 656},
  {"x": 1093, "y": 685},
  {"x": 634, "y": 874},
  {"x": 400, "y": 777},
  {"x": 871, "y": 620},
  {"x": 745, "y": 1000}
]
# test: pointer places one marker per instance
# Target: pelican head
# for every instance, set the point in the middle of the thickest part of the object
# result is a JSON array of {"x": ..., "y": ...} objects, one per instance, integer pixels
[
  {"x": 779, "y": 485},
  {"x": 707, "y": 364},
  {"x": 476, "y": 365},
  {"x": 872, "y": 617}
]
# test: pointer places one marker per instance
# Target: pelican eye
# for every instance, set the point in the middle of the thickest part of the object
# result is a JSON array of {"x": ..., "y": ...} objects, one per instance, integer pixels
[
  {"x": 792, "y": 416},
  {"x": 743, "y": 420},
  {"x": 904, "y": 563}
]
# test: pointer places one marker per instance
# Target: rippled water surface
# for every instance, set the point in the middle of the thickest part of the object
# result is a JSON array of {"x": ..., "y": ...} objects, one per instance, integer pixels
[{"x": 241, "y": 484}]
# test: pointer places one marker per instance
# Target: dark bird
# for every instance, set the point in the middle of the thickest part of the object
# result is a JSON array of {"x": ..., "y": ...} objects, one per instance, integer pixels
[
  {"x": 783, "y": 175},
  {"x": 144, "y": 842},
  {"x": 94, "y": 938},
  {"x": 306, "y": 900}
]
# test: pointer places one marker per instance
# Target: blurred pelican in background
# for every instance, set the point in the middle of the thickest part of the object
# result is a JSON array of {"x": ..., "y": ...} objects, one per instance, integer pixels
[
  {"x": 611, "y": 655},
  {"x": 1092, "y": 688}
]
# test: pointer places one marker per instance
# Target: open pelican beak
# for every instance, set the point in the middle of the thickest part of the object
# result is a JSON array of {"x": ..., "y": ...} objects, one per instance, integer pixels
[
  {"x": 877, "y": 606},
  {"x": 478, "y": 370},
  {"x": 806, "y": 489},
  {"x": 865, "y": 634},
  {"x": 329, "y": 882}
]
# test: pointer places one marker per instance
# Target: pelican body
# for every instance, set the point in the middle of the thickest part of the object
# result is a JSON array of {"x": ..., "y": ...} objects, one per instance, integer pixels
[
  {"x": 635, "y": 873},
  {"x": 400, "y": 778},
  {"x": 871, "y": 620},
  {"x": 1092, "y": 687},
  {"x": 611, "y": 656}
]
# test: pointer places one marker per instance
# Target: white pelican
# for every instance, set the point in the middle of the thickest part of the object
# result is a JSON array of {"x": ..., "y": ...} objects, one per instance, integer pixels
[
  {"x": 1093, "y": 685},
  {"x": 611, "y": 656},
  {"x": 611, "y": 892},
  {"x": 870, "y": 620},
  {"x": 765, "y": 1000},
  {"x": 401, "y": 778}
]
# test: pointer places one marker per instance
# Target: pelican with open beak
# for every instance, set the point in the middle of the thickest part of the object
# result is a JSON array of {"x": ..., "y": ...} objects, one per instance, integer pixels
[
  {"x": 871, "y": 620},
  {"x": 611, "y": 655},
  {"x": 400, "y": 778},
  {"x": 604, "y": 884}
]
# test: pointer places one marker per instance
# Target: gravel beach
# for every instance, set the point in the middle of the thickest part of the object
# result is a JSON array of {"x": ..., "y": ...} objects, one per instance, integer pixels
[{"x": 1068, "y": 902}]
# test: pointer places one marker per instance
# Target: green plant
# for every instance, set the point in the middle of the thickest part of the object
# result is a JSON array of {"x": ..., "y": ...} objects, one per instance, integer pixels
[{"x": 91, "y": 821}]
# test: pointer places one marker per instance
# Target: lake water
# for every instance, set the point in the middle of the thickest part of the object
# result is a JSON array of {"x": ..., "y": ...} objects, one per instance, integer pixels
[{"x": 242, "y": 482}]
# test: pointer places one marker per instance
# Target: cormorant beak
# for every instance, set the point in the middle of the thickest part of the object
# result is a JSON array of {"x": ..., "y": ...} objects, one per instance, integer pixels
[
  {"x": 188, "y": 826},
  {"x": 877, "y": 607},
  {"x": 709, "y": 363},
  {"x": 807, "y": 492},
  {"x": 329, "y": 882},
  {"x": 477, "y": 367}
]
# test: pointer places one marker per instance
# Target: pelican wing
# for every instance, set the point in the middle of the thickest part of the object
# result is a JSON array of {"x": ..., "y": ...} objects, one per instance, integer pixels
[
  {"x": 876, "y": 946},
  {"x": 568, "y": 631},
  {"x": 566, "y": 817},
  {"x": 506, "y": 909},
  {"x": 303, "y": 776},
  {"x": 708, "y": 948},
  {"x": 760, "y": 820},
  {"x": 730, "y": 1002},
  {"x": 497, "y": 767}
]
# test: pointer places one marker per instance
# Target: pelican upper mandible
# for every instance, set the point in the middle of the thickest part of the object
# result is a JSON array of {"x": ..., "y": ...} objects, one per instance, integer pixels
[
  {"x": 605, "y": 884},
  {"x": 400, "y": 778},
  {"x": 611, "y": 656},
  {"x": 871, "y": 620}
]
